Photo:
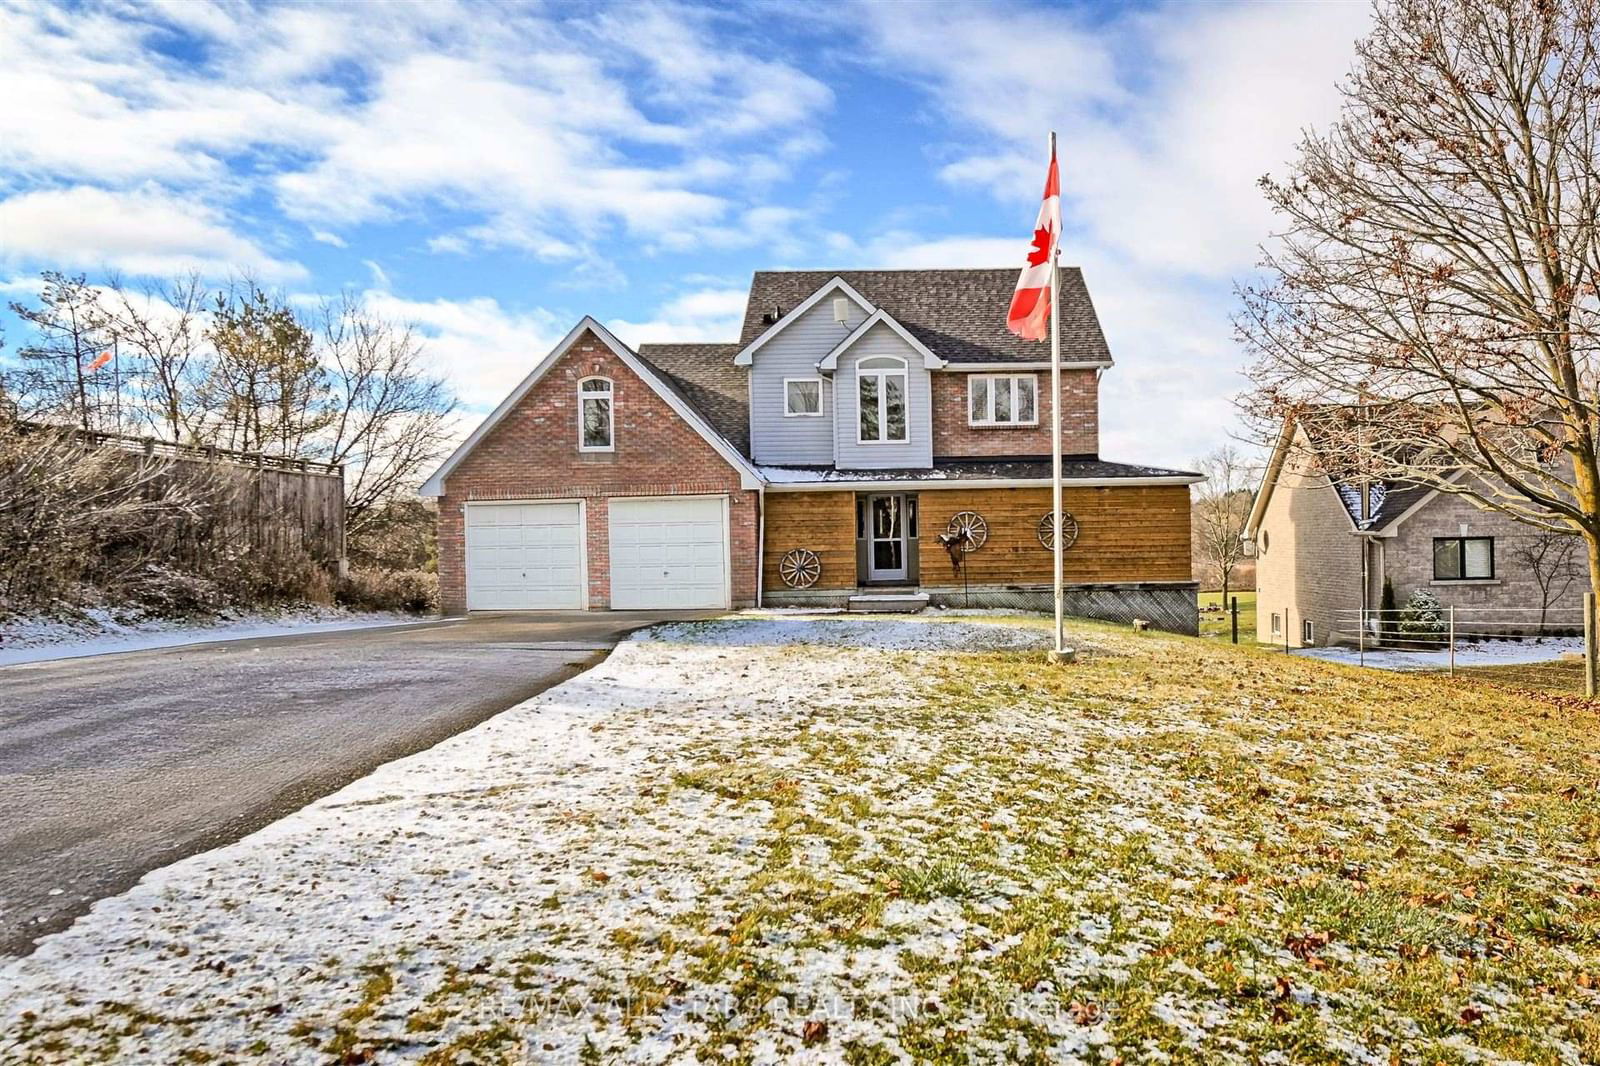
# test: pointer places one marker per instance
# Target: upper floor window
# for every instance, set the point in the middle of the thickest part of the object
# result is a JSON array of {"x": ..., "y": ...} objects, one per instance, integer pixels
[
  {"x": 802, "y": 396},
  {"x": 594, "y": 415},
  {"x": 1002, "y": 400},
  {"x": 1463, "y": 558},
  {"x": 881, "y": 390}
]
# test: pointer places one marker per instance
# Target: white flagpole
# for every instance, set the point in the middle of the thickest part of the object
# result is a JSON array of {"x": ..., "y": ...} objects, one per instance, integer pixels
[{"x": 1055, "y": 417}]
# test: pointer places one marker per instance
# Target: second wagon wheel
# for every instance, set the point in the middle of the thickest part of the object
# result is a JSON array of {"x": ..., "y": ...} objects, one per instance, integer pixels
[
  {"x": 1047, "y": 530},
  {"x": 800, "y": 568},
  {"x": 971, "y": 527}
]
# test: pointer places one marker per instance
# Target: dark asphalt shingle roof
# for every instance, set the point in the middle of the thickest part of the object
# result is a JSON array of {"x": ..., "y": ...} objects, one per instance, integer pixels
[
  {"x": 1394, "y": 497},
  {"x": 959, "y": 314},
  {"x": 704, "y": 377}
]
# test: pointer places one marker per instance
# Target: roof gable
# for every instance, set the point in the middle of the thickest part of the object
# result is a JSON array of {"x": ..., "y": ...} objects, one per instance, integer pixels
[
  {"x": 880, "y": 316},
  {"x": 959, "y": 315},
  {"x": 748, "y": 478},
  {"x": 790, "y": 317}
]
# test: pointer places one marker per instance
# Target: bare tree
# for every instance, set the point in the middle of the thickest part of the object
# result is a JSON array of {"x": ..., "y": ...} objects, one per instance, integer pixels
[
  {"x": 1432, "y": 294},
  {"x": 162, "y": 329},
  {"x": 1220, "y": 507},
  {"x": 1555, "y": 563},
  {"x": 388, "y": 418}
]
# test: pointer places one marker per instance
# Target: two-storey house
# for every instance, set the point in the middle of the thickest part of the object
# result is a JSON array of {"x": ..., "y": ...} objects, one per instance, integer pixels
[{"x": 871, "y": 437}]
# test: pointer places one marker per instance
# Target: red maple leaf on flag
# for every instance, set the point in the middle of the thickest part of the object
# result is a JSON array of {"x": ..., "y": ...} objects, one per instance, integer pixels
[{"x": 1041, "y": 247}]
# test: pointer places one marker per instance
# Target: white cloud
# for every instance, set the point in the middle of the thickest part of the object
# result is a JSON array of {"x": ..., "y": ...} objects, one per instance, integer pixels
[
  {"x": 140, "y": 232},
  {"x": 703, "y": 315},
  {"x": 481, "y": 348}
]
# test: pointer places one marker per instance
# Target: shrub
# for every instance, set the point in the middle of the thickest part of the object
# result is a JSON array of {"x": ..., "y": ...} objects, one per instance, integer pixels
[
  {"x": 414, "y": 591},
  {"x": 1388, "y": 613},
  {"x": 1422, "y": 620}
]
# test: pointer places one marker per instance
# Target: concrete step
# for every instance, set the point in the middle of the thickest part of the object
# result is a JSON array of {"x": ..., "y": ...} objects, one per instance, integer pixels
[{"x": 889, "y": 602}]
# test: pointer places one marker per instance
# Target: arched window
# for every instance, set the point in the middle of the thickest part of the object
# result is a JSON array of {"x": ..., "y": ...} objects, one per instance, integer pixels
[
  {"x": 594, "y": 415},
  {"x": 881, "y": 396}
]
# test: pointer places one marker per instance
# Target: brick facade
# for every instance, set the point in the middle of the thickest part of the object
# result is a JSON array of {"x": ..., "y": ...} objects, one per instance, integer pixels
[
  {"x": 954, "y": 438},
  {"x": 533, "y": 454}
]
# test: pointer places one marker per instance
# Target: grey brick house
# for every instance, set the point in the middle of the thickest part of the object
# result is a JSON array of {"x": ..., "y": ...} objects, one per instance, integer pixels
[{"x": 1324, "y": 547}]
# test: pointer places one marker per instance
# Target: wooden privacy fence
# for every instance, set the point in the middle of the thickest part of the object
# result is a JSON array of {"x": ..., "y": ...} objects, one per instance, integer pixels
[{"x": 250, "y": 501}]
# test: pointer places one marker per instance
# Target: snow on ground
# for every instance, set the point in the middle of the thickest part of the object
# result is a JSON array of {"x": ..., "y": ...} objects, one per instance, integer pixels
[
  {"x": 776, "y": 839},
  {"x": 1482, "y": 653},
  {"x": 41, "y": 640}
]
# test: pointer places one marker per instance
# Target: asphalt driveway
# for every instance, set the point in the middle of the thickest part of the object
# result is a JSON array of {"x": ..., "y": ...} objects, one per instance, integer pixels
[{"x": 116, "y": 765}]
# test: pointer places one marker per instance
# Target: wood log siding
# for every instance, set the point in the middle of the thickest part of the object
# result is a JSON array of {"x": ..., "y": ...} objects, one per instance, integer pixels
[
  {"x": 823, "y": 522},
  {"x": 1132, "y": 533}
]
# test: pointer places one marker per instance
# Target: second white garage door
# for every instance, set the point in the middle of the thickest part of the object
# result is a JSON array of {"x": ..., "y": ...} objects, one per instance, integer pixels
[{"x": 669, "y": 553}]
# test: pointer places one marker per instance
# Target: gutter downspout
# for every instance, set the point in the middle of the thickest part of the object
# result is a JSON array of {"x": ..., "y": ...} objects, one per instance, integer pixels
[{"x": 761, "y": 541}]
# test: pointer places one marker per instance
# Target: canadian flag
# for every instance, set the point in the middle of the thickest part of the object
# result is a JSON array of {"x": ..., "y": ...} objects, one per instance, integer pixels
[{"x": 1029, "y": 316}]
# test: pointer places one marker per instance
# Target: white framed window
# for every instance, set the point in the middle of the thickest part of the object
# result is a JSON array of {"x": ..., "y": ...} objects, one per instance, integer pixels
[
  {"x": 1308, "y": 632},
  {"x": 1002, "y": 400},
  {"x": 1277, "y": 625},
  {"x": 595, "y": 416},
  {"x": 802, "y": 397},
  {"x": 881, "y": 396}
]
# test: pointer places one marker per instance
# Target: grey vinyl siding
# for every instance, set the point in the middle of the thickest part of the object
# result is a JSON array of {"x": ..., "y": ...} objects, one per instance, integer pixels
[
  {"x": 917, "y": 452},
  {"x": 794, "y": 353}
]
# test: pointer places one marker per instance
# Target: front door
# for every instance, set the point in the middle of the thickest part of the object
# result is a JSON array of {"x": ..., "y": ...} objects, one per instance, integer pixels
[{"x": 886, "y": 538}]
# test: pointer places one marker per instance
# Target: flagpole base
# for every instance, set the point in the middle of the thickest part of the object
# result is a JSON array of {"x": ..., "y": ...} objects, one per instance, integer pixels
[{"x": 1061, "y": 656}]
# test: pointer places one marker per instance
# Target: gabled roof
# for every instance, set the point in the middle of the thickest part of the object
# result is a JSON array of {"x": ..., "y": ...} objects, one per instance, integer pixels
[
  {"x": 790, "y": 315},
  {"x": 880, "y": 316},
  {"x": 1392, "y": 500},
  {"x": 657, "y": 381},
  {"x": 959, "y": 315},
  {"x": 704, "y": 376}
]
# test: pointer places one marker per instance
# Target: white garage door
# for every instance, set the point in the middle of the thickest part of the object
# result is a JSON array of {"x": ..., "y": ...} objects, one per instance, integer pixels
[
  {"x": 524, "y": 556},
  {"x": 669, "y": 553}
]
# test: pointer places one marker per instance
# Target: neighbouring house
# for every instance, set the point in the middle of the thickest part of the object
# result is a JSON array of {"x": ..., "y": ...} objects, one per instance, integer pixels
[
  {"x": 1325, "y": 545},
  {"x": 872, "y": 438}
]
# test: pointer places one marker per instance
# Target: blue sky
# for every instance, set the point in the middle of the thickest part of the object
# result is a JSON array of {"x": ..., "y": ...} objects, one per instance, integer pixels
[{"x": 492, "y": 173}]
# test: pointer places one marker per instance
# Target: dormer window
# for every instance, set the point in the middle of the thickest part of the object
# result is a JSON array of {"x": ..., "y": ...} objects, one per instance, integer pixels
[
  {"x": 881, "y": 392},
  {"x": 1002, "y": 400},
  {"x": 594, "y": 415}
]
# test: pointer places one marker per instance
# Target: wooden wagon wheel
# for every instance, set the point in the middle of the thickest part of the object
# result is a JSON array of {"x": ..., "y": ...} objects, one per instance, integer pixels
[
  {"x": 971, "y": 527},
  {"x": 1047, "y": 530},
  {"x": 800, "y": 568}
]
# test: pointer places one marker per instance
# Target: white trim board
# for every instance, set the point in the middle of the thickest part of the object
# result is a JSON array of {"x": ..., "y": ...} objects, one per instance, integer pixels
[
  {"x": 748, "y": 479},
  {"x": 838, "y": 284},
  {"x": 929, "y": 360}
]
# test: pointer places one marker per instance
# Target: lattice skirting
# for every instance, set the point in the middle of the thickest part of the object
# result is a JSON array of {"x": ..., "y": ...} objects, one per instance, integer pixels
[{"x": 1165, "y": 605}]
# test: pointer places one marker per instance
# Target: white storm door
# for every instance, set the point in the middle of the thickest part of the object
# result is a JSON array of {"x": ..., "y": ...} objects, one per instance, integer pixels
[
  {"x": 669, "y": 553},
  {"x": 524, "y": 556}
]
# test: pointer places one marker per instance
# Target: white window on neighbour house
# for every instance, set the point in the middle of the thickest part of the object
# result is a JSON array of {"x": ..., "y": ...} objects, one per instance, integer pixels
[
  {"x": 595, "y": 422},
  {"x": 1002, "y": 400}
]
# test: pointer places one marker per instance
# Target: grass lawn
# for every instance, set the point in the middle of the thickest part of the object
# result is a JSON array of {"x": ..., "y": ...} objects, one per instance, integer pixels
[
  {"x": 1216, "y": 624},
  {"x": 1559, "y": 676},
  {"x": 883, "y": 841}
]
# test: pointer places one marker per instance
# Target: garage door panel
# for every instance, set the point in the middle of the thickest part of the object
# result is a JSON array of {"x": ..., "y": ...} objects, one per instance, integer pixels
[
  {"x": 524, "y": 556},
  {"x": 668, "y": 553}
]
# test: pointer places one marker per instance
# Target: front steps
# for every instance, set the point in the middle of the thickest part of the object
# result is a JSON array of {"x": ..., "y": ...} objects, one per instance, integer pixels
[{"x": 888, "y": 602}]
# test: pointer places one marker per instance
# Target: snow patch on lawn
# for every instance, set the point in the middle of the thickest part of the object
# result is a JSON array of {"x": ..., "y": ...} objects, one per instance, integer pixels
[
  {"x": 1483, "y": 653},
  {"x": 101, "y": 632}
]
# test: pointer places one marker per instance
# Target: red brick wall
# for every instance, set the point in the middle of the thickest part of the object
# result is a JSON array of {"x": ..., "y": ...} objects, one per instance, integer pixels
[
  {"x": 533, "y": 454},
  {"x": 1080, "y": 420}
]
